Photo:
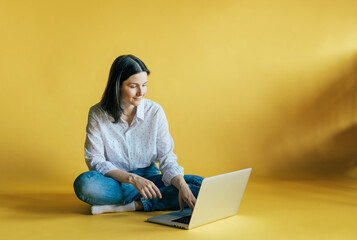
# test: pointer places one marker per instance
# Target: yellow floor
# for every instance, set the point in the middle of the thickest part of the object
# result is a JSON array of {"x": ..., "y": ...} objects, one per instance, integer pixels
[{"x": 270, "y": 209}]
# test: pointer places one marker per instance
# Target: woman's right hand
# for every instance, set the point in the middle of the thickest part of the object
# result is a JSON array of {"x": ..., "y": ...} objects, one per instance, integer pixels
[{"x": 145, "y": 187}]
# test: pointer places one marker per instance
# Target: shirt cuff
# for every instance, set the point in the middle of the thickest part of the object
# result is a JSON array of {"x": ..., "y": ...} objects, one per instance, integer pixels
[{"x": 170, "y": 174}]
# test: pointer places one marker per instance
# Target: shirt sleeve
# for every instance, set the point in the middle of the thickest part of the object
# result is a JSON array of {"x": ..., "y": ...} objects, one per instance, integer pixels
[
  {"x": 167, "y": 159},
  {"x": 94, "y": 147}
]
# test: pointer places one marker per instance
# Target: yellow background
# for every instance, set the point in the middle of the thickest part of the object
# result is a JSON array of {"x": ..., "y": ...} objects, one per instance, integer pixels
[{"x": 264, "y": 84}]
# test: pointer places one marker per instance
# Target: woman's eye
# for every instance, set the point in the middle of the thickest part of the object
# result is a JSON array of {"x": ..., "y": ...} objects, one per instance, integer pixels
[{"x": 132, "y": 86}]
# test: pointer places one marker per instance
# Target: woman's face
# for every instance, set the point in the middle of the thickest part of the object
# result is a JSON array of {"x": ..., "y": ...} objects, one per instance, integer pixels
[{"x": 134, "y": 89}]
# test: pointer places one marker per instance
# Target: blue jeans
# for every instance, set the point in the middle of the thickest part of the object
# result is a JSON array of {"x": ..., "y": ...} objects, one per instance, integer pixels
[{"x": 94, "y": 188}]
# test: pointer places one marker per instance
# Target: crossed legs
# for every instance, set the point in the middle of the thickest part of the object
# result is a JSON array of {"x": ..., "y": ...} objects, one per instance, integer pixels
[{"x": 96, "y": 189}]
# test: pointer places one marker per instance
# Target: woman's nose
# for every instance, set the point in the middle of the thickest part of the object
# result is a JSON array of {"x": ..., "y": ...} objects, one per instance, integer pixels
[{"x": 139, "y": 92}]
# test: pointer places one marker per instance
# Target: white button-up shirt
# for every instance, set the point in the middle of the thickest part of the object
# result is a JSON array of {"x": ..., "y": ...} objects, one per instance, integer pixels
[{"x": 110, "y": 146}]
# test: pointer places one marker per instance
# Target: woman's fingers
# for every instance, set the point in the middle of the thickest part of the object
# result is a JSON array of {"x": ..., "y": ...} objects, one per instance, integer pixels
[
  {"x": 152, "y": 192},
  {"x": 148, "y": 193},
  {"x": 157, "y": 191},
  {"x": 181, "y": 202},
  {"x": 194, "y": 201},
  {"x": 188, "y": 198},
  {"x": 147, "y": 189},
  {"x": 192, "y": 205},
  {"x": 142, "y": 192}
]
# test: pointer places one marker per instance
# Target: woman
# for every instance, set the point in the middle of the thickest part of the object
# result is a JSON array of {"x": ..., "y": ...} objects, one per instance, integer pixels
[{"x": 126, "y": 135}]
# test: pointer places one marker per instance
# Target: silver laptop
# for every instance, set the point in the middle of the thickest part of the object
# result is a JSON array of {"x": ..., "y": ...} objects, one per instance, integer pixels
[{"x": 219, "y": 197}]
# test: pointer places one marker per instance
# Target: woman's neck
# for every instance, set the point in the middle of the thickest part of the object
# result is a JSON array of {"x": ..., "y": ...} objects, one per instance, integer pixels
[{"x": 129, "y": 110}]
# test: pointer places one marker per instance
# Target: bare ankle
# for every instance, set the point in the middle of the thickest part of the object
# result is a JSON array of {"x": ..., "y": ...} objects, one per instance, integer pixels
[{"x": 139, "y": 205}]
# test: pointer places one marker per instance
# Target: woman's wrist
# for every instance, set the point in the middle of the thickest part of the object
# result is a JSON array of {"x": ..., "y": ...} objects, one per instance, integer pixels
[
  {"x": 122, "y": 176},
  {"x": 183, "y": 184},
  {"x": 179, "y": 182},
  {"x": 132, "y": 178}
]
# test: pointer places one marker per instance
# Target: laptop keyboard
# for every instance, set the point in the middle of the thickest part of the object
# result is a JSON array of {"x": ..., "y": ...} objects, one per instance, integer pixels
[{"x": 185, "y": 219}]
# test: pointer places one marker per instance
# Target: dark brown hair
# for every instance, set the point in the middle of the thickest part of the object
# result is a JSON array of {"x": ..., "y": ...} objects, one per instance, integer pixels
[{"x": 122, "y": 68}]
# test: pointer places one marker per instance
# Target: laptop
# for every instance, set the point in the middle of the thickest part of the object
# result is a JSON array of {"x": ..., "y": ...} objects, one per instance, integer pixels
[{"x": 219, "y": 197}]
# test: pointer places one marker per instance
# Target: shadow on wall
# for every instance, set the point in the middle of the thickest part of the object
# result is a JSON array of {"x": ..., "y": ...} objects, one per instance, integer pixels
[
  {"x": 320, "y": 139},
  {"x": 336, "y": 156}
]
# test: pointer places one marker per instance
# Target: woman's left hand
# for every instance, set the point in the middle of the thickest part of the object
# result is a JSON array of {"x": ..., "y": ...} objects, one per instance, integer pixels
[{"x": 186, "y": 196}]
